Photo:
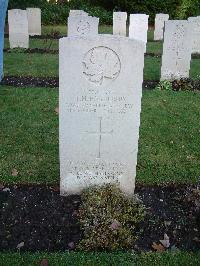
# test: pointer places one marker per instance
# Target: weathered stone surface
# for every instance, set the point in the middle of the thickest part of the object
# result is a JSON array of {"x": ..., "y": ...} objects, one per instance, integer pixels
[
  {"x": 138, "y": 27},
  {"x": 34, "y": 21},
  {"x": 119, "y": 23},
  {"x": 82, "y": 25},
  {"x": 159, "y": 26},
  {"x": 100, "y": 94},
  {"x": 3, "y": 9},
  {"x": 195, "y": 21},
  {"x": 77, "y": 12},
  {"x": 18, "y": 28},
  {"x": 177, "y": 50}
]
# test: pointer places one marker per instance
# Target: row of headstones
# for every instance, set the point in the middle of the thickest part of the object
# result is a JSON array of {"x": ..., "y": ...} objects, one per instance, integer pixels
[
  {"x": 100, "y": 93},
  {"x": 179, "y": 38},
  {"x": 23, "y": 23}
]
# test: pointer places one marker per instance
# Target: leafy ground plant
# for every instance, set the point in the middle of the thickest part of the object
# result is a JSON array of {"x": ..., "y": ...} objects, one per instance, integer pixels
[
  {"x": 109, "y": 218},
  {"x": 164, "y": 85}
]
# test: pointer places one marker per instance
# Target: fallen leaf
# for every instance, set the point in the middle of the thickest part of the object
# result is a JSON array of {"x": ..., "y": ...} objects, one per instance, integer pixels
[
  {"x": 15, "y": 172},
  {"x": 20, "y": 245},
  {"x": 44, "y": 262},
  {"x": 158, "y": 247},
  {"x": 57, "y": 110},
  {"x": 71, "y": 245},
  {"x": 115, "y": 225},
  {"x": 167, "y": 223},
  {"x": 165, "y": 242},
  {"x": 6, "y": 189},
  {"x": 55, "y": 188}
]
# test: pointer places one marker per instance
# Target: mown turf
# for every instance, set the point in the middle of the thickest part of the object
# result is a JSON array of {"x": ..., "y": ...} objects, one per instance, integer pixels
[
  {"x": 62, "y": 30},
  {"x": 36, "y": 43},
  {"x": 103, "y": 29},
  {"x": 169, "y": 136},
  {"x": 46, "y": 65},
  {"x": 100, "y": 259},
  {"x": 37, "y": 65},
  {"x": 29, "y": 134},
  {"x": 152, "y": 47}
]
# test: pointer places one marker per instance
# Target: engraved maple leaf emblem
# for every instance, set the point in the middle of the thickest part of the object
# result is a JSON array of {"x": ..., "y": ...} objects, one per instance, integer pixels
[{"x": 101, "y": 63}]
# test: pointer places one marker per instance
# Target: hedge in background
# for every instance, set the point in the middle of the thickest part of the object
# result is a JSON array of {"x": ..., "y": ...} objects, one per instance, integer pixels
[
  {"x": 57, "y": 13},
  {"x": 53, "y": 13}
]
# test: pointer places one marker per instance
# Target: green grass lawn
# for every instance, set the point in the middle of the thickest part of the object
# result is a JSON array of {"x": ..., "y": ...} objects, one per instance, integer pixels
[
  {"x": 103, "y": 29},
  {"x": 100, "y": 259},
  {"x": 37, "y": 65},
  {"x": 169, "y": 136},
  {"x": 36, "y": 43},
  {"x": 62, "y": 29},
  {"x": 152, "y": 47},
  {"x": 46, "y": 65}
]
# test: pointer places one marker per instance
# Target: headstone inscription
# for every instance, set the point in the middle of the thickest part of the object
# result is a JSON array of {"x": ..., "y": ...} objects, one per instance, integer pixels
[
  {"x": 34, "y": 21},
  {"x": 138, "y": 27},
  {"x": 82, "y": 25},
  {"x": 177, "y": 49},
  {"x": 3, "y": 9},
  {"x": 159, "y": 26},
  {"x": 100, "y": 94},
  {"x": 119, "y": 23},
  {"x": 18, "y": 28},
  {"x": 195, "y": 21}
]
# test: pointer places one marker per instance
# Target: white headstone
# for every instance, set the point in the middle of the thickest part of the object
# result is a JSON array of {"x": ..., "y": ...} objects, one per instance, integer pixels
[
  {"x": 138, "y": 27},
  {"x": 18, "y": 28},
  {"x": 82, "y": 25},
  {"x": 34, "y": 21},
  {"x": 177, "y": 49},
  {"x": 100, "y": 94},
  {"x": 159, "y": 26},
  {"x": 76, "y": 12},
  {"x": 119, "y": 23},
  {"x": 195, "y": 21}
]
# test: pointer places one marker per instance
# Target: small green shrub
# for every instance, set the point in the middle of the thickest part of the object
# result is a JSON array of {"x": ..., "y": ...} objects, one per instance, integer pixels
[
  {"x": 164, "y": 85},
  {"x": 109, "y": 218},
  {"x": 183, "y": 84}
]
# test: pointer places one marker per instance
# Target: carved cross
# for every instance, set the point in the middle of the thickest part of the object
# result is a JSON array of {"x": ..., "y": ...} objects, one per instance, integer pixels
[{"x": 100, "y": 133}]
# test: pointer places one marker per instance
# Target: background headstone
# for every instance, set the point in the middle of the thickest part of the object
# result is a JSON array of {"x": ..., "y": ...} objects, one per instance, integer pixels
[
  {"x": 34, "y": 21},
  {"x": 18, "y": 28},
  {"x": 119, "y": 23},
  {"x": 100, "y": 94},
  {"x": 159, "y": 26},
  {"x": 195, "y": 21},
  {"x": 138, "y": 27},
  {"x": 3, "y": 9},
  {"x": 76, "y": 12},
  {"x": 82, "y": 25},
  {"x": 177, "y": 49}
]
